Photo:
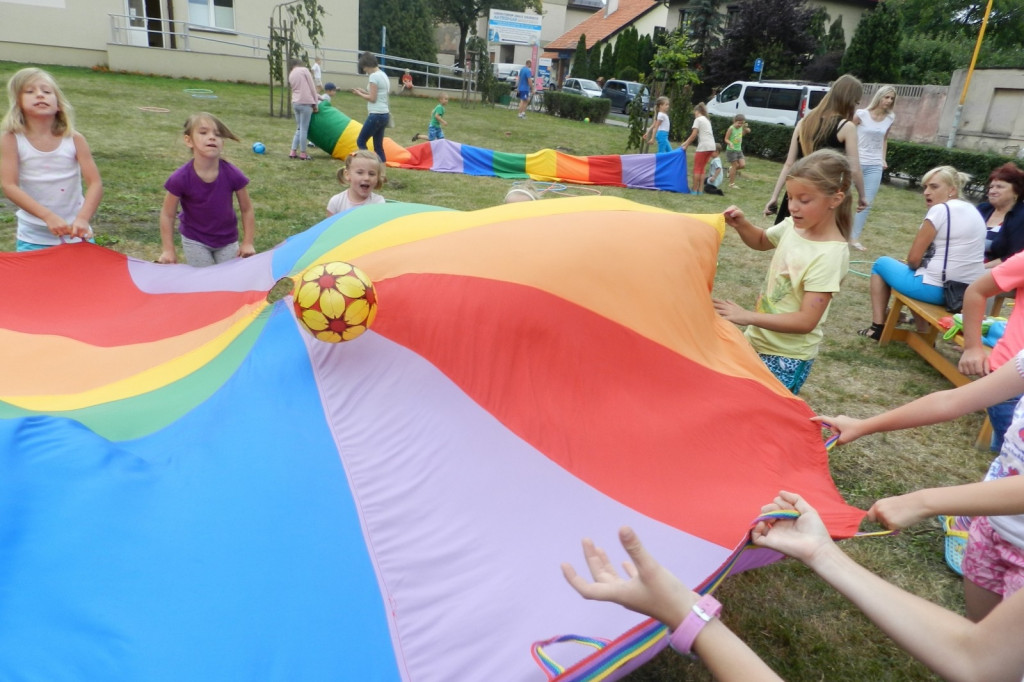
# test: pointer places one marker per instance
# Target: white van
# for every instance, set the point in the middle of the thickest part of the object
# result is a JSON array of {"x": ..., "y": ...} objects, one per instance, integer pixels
[
  {"x": 779, "y": 102},
  {"x": 507, "y": 72}
]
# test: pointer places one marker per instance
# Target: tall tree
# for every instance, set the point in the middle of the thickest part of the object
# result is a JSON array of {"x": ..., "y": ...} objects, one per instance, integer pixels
[
  {"x": 835, "y": 41},
  {"x": 405, "y": 21},
  {"x": 607, "y": 62},
  {"x": 580, "y": 59},
  {"x": 874, "y": 54},
  {"x": 626, "y": 50},
  {"x": 645, "y": 53},
  {"x": 777, "y": 31},
  {"x": 464, "y": 13},
  {"x": 705, "y": 26}
]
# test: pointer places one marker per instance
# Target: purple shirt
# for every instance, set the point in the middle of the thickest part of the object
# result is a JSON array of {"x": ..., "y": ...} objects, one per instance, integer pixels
[{"x": 207, "y": 208}]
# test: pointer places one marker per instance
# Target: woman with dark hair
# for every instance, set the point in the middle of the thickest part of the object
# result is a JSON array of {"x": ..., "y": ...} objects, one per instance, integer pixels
[
  {"x": 376, "y": 96},
  {"x": 828, "y": 125},
  {"x": 1003, "y": 214}
]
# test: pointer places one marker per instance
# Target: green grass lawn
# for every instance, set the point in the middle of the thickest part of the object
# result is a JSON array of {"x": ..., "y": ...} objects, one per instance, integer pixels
[{"x": 802, "y": 628}]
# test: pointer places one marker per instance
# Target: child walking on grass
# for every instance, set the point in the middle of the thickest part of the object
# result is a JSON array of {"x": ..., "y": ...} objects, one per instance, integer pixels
[
  {"x": 206, "y": 187},
  {"x": 363, "y": 172},
  {"x": 810, "y": 261},
  {"x": 43, "y": 162},
  {"x": 434, "y": 131},
  {"x": 660, "y": 126},
  {"x": 993, "y": 563},
  {"x": 734, "y": 147},
  {"x": 705, "y": 137}
]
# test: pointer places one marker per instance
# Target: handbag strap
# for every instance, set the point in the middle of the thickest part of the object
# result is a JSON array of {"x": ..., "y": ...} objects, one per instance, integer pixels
[{"x": 945, "y": 255}]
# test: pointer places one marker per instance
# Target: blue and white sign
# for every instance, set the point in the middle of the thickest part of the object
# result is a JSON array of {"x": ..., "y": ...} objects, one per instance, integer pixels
[
  {"x": 758, "y": 65},
  {"x": 513, "y": 28}
]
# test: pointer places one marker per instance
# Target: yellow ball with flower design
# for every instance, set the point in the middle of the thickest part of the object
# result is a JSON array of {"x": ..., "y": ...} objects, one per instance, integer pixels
[{"x": 335, "y": 301}]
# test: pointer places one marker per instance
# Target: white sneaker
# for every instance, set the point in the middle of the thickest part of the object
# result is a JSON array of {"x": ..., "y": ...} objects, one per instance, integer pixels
[
  {"x": 522, "y": 115},
  {"x": 858, "y": 246}
]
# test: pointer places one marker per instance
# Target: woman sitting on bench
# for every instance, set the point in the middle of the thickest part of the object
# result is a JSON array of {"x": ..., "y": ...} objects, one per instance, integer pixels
[{"x": 950, "y": 221}]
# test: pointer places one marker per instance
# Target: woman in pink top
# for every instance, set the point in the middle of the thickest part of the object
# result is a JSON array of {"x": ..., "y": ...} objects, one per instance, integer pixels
[{"x": 304, "y": 104}]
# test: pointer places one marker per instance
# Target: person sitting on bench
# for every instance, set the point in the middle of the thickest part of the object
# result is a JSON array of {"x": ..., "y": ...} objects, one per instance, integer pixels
[{"x": 951, "y": 222}]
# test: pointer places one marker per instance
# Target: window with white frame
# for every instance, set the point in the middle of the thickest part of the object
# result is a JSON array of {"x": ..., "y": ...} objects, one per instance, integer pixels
[{"x": 212, "y": 13}]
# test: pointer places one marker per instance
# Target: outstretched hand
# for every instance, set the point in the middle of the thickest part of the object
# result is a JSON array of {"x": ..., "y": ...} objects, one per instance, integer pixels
[
  {"x": 803, "y": 538},
  {"x": 899, "y": 511},
  {"x": 649, "y": 588},
  {"x": 733, "y": 312},
  {"x": 848, "y": 428}
]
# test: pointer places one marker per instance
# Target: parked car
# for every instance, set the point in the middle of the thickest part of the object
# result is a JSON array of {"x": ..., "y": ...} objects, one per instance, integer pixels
[
  {"x": 621, "y": 93},
  {"x": 779, "y": 102},
  {"x": 581, "y": 86},
  {"x": 507, "y": 72}
]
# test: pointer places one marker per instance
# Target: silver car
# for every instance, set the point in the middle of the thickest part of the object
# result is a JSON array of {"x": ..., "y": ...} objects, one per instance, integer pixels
[{"x": 581, "y": 86}]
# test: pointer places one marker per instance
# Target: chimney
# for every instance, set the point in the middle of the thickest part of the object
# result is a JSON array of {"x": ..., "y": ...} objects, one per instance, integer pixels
[{"x": 610, "y": 7}]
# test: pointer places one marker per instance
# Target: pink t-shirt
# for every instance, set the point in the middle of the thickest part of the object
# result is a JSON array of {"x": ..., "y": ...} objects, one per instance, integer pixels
[{"x": 1009, "y": 275}]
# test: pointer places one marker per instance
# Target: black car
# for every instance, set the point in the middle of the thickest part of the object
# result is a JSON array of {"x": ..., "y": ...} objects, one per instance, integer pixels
[{"x": 621, "y": 93}]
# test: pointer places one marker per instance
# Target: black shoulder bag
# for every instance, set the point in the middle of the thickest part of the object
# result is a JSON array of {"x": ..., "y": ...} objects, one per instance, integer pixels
[{"x": 952, "y": 291}]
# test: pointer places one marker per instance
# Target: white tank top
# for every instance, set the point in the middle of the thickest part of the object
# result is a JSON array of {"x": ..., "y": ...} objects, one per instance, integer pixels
[{"x": 54, "y": 179}]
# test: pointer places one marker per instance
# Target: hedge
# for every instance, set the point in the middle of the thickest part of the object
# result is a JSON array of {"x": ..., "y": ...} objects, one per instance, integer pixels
[
  {"x": 908, "y": 160},
  {"x": 576, "y": 107}
]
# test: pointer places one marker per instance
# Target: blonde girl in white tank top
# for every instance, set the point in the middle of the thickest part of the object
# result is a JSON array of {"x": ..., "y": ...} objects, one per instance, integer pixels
[{"x": 43, "y": 162}]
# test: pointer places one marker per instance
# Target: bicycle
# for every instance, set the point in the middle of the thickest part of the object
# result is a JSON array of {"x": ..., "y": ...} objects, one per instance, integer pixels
[{"x": 537, "y": 102}]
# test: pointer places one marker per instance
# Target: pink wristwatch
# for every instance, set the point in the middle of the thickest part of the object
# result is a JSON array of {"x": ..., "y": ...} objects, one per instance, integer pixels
[{"x": 682, "y": 638}]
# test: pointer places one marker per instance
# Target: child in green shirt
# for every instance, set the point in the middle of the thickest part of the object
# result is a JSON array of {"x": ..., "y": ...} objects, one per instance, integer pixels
[{"x": 434, "y": 131}]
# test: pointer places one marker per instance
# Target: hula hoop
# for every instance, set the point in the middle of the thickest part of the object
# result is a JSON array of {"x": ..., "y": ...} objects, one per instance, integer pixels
[
  {"x": 198, "y": 91},
  {"x": 203, "y": 96},
  {"x": 155, "y": 110}
]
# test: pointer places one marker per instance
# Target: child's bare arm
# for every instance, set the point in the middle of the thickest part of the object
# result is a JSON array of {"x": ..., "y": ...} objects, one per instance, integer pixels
[
  {"x": 802, "y": 321},
  {"x": 246, "y": 248},
  {"x": 752, "y": 236},
  {"x": 93, "y": 188},
  {"x": 167, "y": 212}
]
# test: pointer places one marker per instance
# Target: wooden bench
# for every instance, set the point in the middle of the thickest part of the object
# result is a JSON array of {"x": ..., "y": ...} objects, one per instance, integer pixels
[{"x": 923, "y": 344}]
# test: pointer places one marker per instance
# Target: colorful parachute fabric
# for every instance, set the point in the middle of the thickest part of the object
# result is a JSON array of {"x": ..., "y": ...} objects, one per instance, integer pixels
[
  {"x": 335, "y": 132},
  {"x": 194, "y": 488}
]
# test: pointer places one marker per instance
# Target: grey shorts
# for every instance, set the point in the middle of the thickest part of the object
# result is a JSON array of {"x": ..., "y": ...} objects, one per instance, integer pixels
[
  {"x": 733, "y": 156},
  {"x": 200, "y": 255}
]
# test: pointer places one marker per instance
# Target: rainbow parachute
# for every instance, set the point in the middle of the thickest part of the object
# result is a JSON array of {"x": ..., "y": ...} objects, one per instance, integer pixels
[
  {"x": 336, "y": 133},
  {"x": 194, "y": 488}
]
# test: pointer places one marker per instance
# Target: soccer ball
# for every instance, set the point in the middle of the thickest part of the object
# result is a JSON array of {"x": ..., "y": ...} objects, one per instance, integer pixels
[
  {"x": 258, "y": 147},
  {"x": 335, "y": 301}
]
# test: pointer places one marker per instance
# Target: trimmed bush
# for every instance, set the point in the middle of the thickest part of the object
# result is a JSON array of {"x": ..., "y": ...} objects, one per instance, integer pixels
[
  {"x": 576, "y": 107},
  {"x": 908, "y": 160}
]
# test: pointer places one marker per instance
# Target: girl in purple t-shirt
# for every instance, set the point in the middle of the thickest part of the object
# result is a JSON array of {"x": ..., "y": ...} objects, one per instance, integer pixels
[{"x": 205, "y": 187}]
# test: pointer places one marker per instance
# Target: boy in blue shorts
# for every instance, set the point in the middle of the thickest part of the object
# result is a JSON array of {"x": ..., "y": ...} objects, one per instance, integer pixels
[{"x": 434, "y": 131}]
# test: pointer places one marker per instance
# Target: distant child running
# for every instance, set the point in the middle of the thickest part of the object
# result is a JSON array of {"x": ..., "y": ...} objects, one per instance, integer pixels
[
  {"x": 810, "y": 261},
  {"x": 363, "y": 172},
  {"x": 705, "y": 145},
  {"x": 434, "y": 131},
  {"x": 43, "y": 162},
  {"x": 205, "y": 187},
  {"x": 734, "y": 147},
  {"x": 660, "y": 126}
]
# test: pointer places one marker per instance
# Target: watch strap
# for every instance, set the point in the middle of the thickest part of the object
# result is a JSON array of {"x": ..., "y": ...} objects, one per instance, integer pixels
[{"x": 703, "y": 612}]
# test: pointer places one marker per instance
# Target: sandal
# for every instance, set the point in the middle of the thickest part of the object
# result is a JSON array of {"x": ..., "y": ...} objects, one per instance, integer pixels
[
  {"x": 874, "y": 332},
  {"x": 305, "y": 157}
]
